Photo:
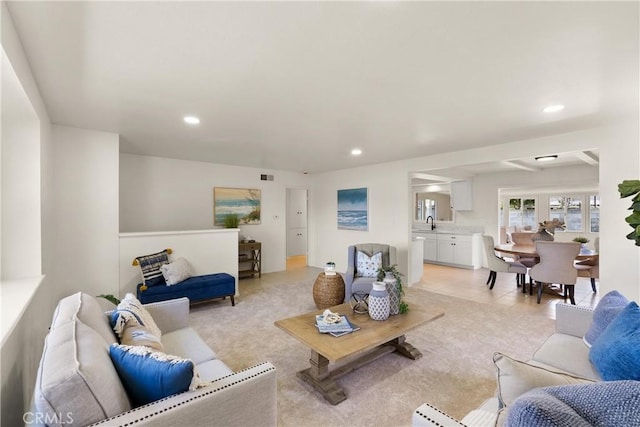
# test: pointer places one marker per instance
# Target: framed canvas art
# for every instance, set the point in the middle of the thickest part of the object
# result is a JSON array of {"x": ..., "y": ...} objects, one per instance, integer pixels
[
  {"x": 243, "y": 202},
  {"x": 353, "y": 209}
]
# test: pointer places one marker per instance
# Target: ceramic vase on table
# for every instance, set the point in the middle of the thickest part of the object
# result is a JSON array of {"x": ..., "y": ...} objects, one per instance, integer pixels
[
  {"x": 379, "y": 302},
  {"x": 391, "y": 283}
]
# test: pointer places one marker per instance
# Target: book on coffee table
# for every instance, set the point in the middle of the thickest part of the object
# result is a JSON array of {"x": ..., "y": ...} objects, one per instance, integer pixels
[{"x": 342, "y": 327}]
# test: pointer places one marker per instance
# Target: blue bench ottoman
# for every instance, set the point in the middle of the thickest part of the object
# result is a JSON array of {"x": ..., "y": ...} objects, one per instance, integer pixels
[{"x": 196, "y": 288}]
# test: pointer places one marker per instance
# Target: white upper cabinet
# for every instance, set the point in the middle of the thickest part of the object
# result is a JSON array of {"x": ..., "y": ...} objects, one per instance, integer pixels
[{"x": 462, "y": 196}]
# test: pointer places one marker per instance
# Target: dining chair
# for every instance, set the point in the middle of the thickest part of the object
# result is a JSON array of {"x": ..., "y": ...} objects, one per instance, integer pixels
[
  {"x": 556, "y": 266},
  {"x": 590, "y": 267},
  {"x": 497, "y": 264}
]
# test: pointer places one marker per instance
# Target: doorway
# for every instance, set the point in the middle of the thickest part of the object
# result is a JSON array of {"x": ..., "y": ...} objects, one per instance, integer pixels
[{"x": 296, "y": 228}]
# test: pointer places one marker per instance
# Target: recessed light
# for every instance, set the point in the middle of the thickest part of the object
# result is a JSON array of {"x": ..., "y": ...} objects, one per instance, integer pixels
[
  {"x": 192, "y": 120},
  {"x": 547, "y": 158},
  {"x": 553, "y": 108},
  {"x": 356, "y": 152}
]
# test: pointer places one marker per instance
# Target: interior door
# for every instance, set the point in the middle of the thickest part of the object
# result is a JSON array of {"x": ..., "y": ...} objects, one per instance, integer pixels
[{"x": 296, "y": 222}]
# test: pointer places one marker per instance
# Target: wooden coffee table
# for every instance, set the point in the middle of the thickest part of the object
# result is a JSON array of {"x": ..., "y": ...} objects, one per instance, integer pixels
[{"x": 374, "y": 340}]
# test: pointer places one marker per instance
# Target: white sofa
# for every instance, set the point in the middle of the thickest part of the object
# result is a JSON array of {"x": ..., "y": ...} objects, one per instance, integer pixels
[
  {"x": 77, "y": 383},
  {"x": 563, "y": 352}
]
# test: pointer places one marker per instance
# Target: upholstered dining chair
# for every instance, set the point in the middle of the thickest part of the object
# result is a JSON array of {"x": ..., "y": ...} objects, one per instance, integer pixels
[
  {"x": 556, "y": 266},
  {"x": 590, "y": 267},
  {"x": 362, "y": 265},
  {"x": 497, "y": 264}
]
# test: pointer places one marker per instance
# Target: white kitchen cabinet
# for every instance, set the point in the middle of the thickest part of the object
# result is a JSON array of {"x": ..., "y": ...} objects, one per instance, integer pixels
[
  {"x": 430, "y": 252},
  {"x": 461, "y": 196},
  {"x": 460, "y": 250}
]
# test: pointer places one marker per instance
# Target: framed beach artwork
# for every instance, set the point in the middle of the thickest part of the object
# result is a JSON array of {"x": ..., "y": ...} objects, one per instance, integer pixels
[
  {"x": 353, "y": 209},
  {"x": 243, "y": 202}
]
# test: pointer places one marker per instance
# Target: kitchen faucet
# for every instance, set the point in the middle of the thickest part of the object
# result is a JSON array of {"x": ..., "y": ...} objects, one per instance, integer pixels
[{"x": 433, "y": 226}]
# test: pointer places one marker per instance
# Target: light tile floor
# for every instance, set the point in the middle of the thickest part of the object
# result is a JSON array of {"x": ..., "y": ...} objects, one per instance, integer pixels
[{"x": 471, "y": 285}]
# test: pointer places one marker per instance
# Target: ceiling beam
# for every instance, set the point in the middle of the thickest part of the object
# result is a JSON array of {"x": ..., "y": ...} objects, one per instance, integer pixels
[
  {"x": 520, "y": 165},
  {"x": 588, "y": 157}
]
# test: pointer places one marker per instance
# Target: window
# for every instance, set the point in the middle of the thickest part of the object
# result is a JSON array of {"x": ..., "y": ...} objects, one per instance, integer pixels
[
  {"x": 568, "y": 210},
  {"x": 594, "y": 213},
  {"x": 522, "y": 213}
]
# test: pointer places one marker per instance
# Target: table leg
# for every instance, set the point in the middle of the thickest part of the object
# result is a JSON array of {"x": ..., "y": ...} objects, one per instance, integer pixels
[
  {"x": 405, "y": 349},
  {"x": 318, "y": 377}
]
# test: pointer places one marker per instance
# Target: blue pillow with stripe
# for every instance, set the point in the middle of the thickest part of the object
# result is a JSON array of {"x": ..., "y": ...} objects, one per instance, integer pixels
[
  {"x": 150, "y": 268},
  {"x": 149, "y": 375}
]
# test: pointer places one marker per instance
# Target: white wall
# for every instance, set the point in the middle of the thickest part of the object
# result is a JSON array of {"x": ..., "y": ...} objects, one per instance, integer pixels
[
  {"x": 21, "y": 349},
  {"x": 389, "y": 213},
  {"x": 20, "y": 147},
  {"x": 85, "y": 165},
  {"x": 159, "y": 194}
]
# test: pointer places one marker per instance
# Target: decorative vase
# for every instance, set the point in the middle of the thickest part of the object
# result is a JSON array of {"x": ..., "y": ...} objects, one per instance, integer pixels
[
  {"x": 379, "y": 302},
  {"x": 391, "y": 283}
]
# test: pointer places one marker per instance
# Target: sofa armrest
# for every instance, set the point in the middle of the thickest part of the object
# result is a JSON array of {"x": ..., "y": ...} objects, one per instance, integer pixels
[
  {"x": 573, "y": 320},
  {"x": 170, "y": 315},
  {"x": 244, "y": 398},
  {"x": 427, "y": 415}
]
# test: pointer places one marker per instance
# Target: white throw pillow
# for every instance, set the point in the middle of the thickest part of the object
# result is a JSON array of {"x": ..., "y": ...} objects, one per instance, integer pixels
[
  {"x": 367, "y": 266},
  {"x": 516, "y": 378},
  {"x": 176, "y": 272}
]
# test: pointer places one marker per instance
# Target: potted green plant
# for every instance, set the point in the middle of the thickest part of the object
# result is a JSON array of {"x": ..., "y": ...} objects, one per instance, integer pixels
[
  {"x": 231, "y": 220},
  {"x": 629, "y": 188},
  {"x": 111, "y": 298},
  {"x": 581, "y": 239},
  {"x": 393, "y": 270}
]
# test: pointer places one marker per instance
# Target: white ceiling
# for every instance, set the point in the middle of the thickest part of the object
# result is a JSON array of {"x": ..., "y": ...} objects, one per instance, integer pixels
[{"x": 297, "y": 85}]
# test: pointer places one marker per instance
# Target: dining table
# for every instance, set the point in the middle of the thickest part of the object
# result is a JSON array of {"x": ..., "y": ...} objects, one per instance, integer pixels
[{"x": 529, "y": 251}]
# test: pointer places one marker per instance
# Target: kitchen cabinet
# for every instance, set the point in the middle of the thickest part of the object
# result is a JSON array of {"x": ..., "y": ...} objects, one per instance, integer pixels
[
  {"x": 461, "y": 196},
  {"x": 459, "y": 249},
  {"x": 430, "y": 251},
  {"x": 455, "y": 249}
]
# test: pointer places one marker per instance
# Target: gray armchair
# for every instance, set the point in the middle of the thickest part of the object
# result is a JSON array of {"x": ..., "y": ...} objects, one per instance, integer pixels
[{"x": 352, "y": 282}]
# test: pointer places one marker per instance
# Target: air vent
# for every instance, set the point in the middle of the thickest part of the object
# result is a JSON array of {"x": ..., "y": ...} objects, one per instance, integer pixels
[{"x": 264, "y": 177}]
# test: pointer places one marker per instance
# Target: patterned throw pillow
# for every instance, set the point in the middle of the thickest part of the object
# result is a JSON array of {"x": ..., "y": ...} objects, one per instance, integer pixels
[
  {"x": 367, "y": 266},
  {"x": 176, "y": 272},
  {"x": 150, "y": 267},
  {"x": 149, "y": 375},
  {"x": 131, "y": 313}
]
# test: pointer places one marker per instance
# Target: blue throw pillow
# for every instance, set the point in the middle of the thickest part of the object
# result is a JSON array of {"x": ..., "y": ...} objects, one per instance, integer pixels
[
  {"x": 607, "y": 309},
  {"x": 616, "y": 352},
  {"x": 149, "y": 375}
]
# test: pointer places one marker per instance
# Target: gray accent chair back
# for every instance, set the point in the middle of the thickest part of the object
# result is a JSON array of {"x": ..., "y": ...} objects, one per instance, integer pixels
[{"x": 364, "y": 284}]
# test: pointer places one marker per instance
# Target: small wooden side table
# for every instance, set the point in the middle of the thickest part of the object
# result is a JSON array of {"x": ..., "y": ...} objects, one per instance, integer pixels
[{"x": 328, "y": 290}]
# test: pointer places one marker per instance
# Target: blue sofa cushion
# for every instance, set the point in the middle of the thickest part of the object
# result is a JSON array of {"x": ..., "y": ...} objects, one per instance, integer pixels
[
  {"x": 196, "y": 288},
  {"x": 616, "y": 352}
]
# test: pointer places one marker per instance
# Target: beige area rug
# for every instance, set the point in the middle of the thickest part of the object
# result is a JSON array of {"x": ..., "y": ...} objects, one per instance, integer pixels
[{"x": 455, "y": 374}]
